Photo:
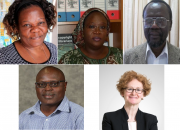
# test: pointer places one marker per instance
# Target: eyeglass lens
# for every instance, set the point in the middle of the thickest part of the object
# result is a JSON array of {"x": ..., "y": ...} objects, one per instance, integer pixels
[
  {"x": 44, "y": 84},
  {"x": 160, "y": 22}
]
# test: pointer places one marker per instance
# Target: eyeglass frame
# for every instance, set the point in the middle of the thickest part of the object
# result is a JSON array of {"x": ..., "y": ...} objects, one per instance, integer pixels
[
  {"x": 142, "y": 90},
  {"x": 49, "y": 83},
  {"x": 154, "y": 21}
]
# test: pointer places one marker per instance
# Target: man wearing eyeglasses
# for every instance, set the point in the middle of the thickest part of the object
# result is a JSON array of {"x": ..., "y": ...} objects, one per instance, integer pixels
[
  {"x": 157, "y": 22},
  {"x": 53, "y": 110}
]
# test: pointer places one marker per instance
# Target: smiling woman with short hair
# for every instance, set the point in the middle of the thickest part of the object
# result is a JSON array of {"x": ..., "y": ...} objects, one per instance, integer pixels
[
  {"x": 133, "y": 87},
  {"x": 90, "y": 35},
  {"x": 28, "y": 22}
]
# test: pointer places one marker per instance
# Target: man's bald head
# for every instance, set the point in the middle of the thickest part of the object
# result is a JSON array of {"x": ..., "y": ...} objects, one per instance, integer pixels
[{"x": 50, "y": 70}]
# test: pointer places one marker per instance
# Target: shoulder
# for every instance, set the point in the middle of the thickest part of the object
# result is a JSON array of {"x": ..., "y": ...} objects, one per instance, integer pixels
[
  {"x": 51, "y": 46},
  {"x": 25, "y": 113},
  {"x": 136, "y": 49},
  {"x": 173, "y": 49},
  {"x": 112, "y": 115},
  {"x": 135, "y": 55},
  {"x": 148, "y": 118},
  {"x": 114, "y": 49},
  {"x": 8, "y": 54},
  {"x": 8, "y": 48},
  {"x": 75, "y": 108},
  {"x": 70, "y": 57},
  {"x": 117, "y": 54}
]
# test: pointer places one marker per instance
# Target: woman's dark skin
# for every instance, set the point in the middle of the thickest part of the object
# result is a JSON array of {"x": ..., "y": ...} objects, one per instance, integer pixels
[
  {"x": 95, "y": 34},
  {"x": 32, "y": 29}
]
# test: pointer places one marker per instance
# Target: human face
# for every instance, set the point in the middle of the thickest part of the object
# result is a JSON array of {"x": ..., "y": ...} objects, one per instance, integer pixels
[
  {"x": 32, "y": 26},
  {"x": 95, "y": 30},
  {"x": 156, "y": 37},
  {"x": 133, "y": 98},
  {"x": 50, "y": 95}
]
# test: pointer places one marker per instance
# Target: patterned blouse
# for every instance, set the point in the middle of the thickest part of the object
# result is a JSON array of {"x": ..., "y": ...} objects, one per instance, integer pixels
[
  {"x": 9, "y": 55},
  {"x": 76, "y": 56}
]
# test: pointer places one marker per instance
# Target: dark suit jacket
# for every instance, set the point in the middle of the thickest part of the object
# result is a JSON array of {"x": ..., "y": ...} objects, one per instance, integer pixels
[
  {"x": 137, "y": 54},
  {"x": 118, "y": 120}
]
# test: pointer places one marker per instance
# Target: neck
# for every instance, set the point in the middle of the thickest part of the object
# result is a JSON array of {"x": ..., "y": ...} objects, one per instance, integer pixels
[
  {"x": 95, "y": 53},
  {"x": 48, "y": 109},
  {"x": 131, "y": 111},
  {"x": 157, "y": 51}
]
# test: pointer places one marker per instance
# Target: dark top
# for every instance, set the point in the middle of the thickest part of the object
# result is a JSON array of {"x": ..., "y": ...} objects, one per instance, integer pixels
[
  {"x": 118, "y": 120},
  {"x": 10, "y": 55}
]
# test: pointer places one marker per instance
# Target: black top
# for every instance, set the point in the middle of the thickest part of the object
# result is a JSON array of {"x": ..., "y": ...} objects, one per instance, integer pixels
[{"x": 118, "y": 120}]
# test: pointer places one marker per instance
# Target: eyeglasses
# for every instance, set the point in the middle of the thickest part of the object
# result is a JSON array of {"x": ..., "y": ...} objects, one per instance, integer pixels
[
  {"x": 130, "y": 90},
  {"x": 44, "y": 84},
  {"x": 161, "y": 22}
]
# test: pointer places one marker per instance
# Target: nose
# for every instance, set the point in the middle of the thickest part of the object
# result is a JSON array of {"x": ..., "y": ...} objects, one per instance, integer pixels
[
  {"x": 154, "y": 26},
  {"x": 48, "y": 87},
  {"x": 97, "y": 30},
  {"x": 134, "y": 92},
  {"x": 35, "y": 29}
]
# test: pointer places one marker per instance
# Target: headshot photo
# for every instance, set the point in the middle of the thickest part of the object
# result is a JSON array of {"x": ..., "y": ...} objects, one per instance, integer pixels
[
  {"x": 132, "y": 97},
  {"x": 30, "y": 26},
  {"x": 151, "y": 32},
  {"x": 51, "y": 97},
  {"x": 89, "y": 36}
]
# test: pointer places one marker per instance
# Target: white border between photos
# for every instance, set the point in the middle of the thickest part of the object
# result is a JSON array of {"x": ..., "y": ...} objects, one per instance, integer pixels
[
  {"x": 9, "y": 109},
  {"x": 172, "y": 97},
  {"x": 91, "y": 97}
]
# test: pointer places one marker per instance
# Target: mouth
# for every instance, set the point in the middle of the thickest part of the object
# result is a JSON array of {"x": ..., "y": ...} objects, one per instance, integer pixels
[
  {"x": 133, "y": 97},
  {"x": 97, "y": 39},
  {"x": 48, "y": 96},
  {"x": 35, "y": 38}
]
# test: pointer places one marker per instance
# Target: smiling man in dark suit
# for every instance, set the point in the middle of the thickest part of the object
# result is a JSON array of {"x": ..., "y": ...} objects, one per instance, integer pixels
[{"x": 157, "y": 17}]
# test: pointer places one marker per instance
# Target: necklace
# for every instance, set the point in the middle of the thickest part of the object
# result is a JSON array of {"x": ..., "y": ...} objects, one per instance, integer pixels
[{"x": 31, "y": 55}]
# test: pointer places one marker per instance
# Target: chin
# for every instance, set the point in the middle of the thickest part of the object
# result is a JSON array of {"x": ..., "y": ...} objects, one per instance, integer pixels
[{"x": 155, "y": 44}]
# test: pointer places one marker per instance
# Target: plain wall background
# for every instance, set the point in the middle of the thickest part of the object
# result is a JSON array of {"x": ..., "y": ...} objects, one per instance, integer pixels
[
  {"x": 74, "y": 75},
  {"x": 111, "y": 100}
]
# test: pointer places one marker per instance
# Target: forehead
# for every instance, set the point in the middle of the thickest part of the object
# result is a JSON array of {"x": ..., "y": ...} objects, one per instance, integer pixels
[
  {"x": 50, "y": 73},
  {"x": 95, "y": 16},
  {"x": 157, "y": 10},
  {"x": 135, "y": 84},
  {"x": 32, "y": 9}
]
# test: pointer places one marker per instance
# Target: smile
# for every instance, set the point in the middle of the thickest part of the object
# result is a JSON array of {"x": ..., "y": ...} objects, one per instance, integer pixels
[
  {"x": 96, "y": 39},
  {"x": 48, "y": 96},
  {"x": 35, "y": 38},
  {"x": 133, "y": 97}
]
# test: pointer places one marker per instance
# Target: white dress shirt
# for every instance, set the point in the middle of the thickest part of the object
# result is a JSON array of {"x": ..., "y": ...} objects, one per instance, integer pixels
[
  {"x": 161, "y": 59},
  {"x": 132, "y": 125}
]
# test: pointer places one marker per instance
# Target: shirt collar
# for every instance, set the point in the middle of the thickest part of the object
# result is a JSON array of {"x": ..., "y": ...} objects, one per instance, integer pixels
[
  {"x": 64, "y": 106},
  {"x": 148, "y": 49}
]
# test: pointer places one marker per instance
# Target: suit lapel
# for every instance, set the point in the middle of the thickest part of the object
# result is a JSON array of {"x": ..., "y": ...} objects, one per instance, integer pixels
[{"x": 140, "y": 55}]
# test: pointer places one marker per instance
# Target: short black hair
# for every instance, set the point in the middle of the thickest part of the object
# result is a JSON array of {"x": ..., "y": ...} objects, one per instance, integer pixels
[{"x": 160, "y": 1}]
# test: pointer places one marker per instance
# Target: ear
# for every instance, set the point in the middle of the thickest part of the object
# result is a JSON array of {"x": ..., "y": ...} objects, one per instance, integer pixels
[
  {"x": 170, "y": 26},
  {"x": 65, "y": 84}
]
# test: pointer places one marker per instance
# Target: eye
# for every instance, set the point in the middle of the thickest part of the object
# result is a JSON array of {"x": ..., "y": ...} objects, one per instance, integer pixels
[
  {"x": 40, "y": 85},
  {"x": 27, "y": 25},
  {"x": 54, "y": 84},
  {"x": 103, "y": 27},
  {"x": 91, "y": 26},
  {"x": 138, "y": 90},
  {"x": 130, "y": 89},
  {"x": 41, "y": 23}
]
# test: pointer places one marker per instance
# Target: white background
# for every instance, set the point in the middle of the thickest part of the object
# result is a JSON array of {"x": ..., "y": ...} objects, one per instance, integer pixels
[{"x": 10, "y": 100}]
